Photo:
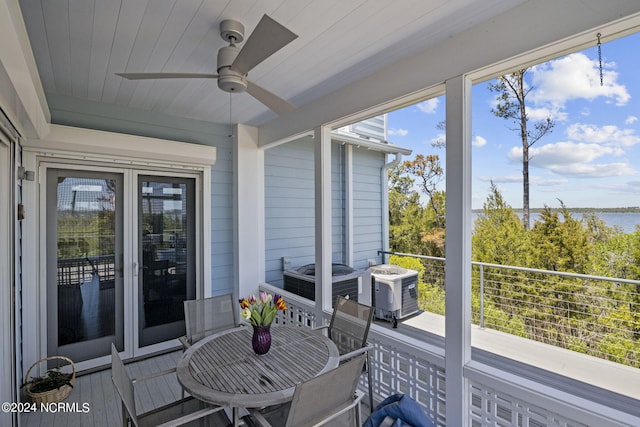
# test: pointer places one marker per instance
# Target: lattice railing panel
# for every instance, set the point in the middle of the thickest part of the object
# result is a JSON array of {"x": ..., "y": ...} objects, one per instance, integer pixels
[
  {"x": 398, "y": 370},
  {"x": 491, "y": 408}
]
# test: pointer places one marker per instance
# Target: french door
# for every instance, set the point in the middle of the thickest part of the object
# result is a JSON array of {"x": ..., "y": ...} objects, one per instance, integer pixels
[
  {"x": 166, "y": 252},
  {"x": 121, "y": 259}
]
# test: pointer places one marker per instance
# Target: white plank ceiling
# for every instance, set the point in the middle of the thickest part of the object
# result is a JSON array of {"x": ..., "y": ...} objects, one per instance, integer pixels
[{"x": 79, "y": 45}]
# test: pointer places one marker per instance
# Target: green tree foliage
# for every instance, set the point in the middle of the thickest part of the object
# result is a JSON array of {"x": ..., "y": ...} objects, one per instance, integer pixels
[
  {"x": 591, "y": 316},
  {"x": 414, "y": 226},
  {"x": 429, "y": 173},
  {"x": 405, "y": 214},
  {"x": 499, "y": 236},
  {"x": 559, "y": 242}
]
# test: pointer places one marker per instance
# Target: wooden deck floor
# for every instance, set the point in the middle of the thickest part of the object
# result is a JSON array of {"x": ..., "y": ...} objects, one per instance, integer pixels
[{"x": 96, "y": 390}]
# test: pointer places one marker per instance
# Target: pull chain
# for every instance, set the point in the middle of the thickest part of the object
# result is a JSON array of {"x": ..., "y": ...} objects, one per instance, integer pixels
[
  {"x": 230, "y": 124},
  {"x": 600, "y": 58}
]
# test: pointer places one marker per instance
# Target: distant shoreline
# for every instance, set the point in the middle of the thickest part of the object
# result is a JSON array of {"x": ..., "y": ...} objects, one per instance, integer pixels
[{"x": 630, "y": 209}]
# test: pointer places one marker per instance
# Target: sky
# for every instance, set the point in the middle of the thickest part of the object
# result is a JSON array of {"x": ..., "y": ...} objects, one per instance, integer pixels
[{"x": 590, "y": 159}]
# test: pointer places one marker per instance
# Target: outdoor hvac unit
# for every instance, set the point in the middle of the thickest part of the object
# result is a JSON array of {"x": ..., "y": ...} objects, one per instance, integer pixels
[
  {"x": 394, "y": 292},
  {"x": 346, "y": 282}
]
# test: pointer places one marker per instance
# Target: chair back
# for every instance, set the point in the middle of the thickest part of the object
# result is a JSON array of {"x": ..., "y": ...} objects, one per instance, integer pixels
[
  {"x": 350, "y": 323},
  {"x": 123, "y": 385},
  {"x": 207, "y": 316},
  {"x": 314, "y": 400}
]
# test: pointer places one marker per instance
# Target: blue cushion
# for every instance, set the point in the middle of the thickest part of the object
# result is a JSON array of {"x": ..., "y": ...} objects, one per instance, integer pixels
[{"x": 404, "y": 410}]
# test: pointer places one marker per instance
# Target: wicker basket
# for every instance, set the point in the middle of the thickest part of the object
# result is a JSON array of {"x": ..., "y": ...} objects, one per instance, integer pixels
[{"x": 51, "y": 396}]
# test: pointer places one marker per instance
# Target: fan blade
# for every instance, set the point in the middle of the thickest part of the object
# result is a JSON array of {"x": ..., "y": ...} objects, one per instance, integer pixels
[
  {"x": 273, "y": 101},
  {"x": 267, "y": 38},
  {"x": 145, "y": 76}
]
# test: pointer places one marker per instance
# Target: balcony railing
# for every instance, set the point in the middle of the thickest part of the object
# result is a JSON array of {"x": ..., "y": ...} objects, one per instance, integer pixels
[
  {"x": 409, "y": 365},
  {"x": 594, "y": 315},
  {"x": 75, "y": 271}
]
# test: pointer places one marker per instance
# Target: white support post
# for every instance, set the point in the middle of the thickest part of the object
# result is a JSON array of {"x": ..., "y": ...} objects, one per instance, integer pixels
[
  {"x": 7, "y": 243},
  {"x": 322, "y": 161},
  {"x": 248, "y": 210},
  {"x": 348, "y": 208},
  {"x": 458, "y": 249}
]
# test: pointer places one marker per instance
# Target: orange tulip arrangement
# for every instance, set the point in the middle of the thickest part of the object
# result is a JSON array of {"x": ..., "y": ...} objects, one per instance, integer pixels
[{"x": 261, "y": 311}]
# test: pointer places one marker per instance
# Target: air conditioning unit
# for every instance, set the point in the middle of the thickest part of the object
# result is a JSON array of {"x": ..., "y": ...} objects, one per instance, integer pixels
[
  {"x": 346, "y": 281},
  {"x": 394, "y": 292}
]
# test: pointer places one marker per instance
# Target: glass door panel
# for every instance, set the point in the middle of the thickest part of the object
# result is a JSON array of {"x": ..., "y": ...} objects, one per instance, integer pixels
[
  {"x": 166, "y": 215},
  {"x": 84, "y": 263}
]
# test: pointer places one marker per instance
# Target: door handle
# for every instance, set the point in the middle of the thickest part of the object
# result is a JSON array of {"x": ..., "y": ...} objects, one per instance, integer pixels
[{"x": 136, "y": 268}]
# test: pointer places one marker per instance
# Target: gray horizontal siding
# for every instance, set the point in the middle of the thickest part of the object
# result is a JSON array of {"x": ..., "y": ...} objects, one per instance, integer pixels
[
  {"x": 290, "y": 201},
  {"x": 367, "y": 206},
  {"x": 290, "y": 206},
  {"x": 222, "y": 272}
]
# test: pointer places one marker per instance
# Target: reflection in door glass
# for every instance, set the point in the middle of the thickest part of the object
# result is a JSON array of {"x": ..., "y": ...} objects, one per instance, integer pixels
[
  {"x": 167, "y": 275},
  {"x": 86, "y": 238}
]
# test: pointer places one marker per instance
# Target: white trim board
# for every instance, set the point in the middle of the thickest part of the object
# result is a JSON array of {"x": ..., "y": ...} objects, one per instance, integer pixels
[{"x": 91, "y": 144}]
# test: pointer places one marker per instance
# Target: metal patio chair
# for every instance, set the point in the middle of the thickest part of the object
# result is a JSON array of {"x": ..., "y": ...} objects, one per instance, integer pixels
[
  {"x": 207, "y": 316},
  {"x": 173, "y": 414},
  {"x": 349, "y": 329},
  {"x": 331, "y": 398}
]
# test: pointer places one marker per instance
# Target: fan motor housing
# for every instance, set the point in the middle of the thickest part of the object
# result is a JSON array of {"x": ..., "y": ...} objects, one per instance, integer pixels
[
  {"x": 231, "y": 82},
  {"x": 226, "y": 56}
]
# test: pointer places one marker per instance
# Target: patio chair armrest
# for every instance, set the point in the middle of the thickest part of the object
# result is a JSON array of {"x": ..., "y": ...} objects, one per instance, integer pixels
[
  {"x": 321, "y": 328},
  {"x": 356, "y": 352},
  {"x": 154, "y": 375},
  {"x": 185, "y": 343},
  {"x": 192, "y": 416},
  {"x": 357, "y": 399}
]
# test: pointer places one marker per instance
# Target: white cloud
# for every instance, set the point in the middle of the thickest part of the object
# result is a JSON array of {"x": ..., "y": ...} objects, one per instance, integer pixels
[
  {"x": 554, "y": 155},
  {"x": 544, "y": 113},
  {"x": 501, "y": 179},
  {"x": 548, "y": 182},
  {"x": 439, "y": 140},
  {"x": 537, "y": 180},
  {"x": 595, "y": 170},
  {"x": 630, "y": 120},
  {"x": 632, "y": 186},
  {"x": 479, "y": 141},
  {"x": 575, "y": 76},
  {"x": 429, "y": 106},
  {"x": 623, "y": 187},
  {"x": 397, "y": 132},
  {"x": 609, "y": 135},
  {"x": 575, "y": 159},
  {"x": 587, "y": 154}
]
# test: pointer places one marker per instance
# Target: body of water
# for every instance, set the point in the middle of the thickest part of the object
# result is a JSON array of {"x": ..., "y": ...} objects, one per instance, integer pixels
[{"x": 627, "y": 221}]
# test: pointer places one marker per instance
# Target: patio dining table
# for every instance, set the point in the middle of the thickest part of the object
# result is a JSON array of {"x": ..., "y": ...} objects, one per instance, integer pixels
[{"x": 224, "y": 370}]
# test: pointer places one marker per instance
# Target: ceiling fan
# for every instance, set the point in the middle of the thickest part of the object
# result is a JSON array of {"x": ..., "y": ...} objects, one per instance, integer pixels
[{"x": 234, "y": 63}]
